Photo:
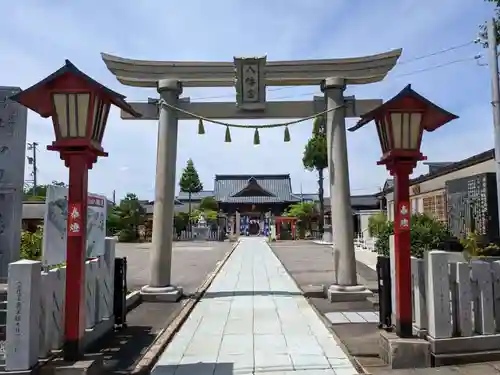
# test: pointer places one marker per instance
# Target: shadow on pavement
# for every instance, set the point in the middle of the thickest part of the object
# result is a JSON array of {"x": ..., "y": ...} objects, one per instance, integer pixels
[
  {"x": 121, "y": 350},
  {"x": 251, "y": 293},
  {"x": 200, "y": 368}
]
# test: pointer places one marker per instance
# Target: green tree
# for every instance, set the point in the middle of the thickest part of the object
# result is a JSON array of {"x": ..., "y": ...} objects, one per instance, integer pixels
[
  {"x": 376, "y": 224},
  {"x": 40, "y": 192},
  {"x": 131, "y": 215},
  {"x": 190, "y": 181},
  {"x": 209, "y": 204},
  {"x": 483, "y": 33},
  {"x": 316, "y": 158},
  {"x": 304, "y": 212},
  {"x": 113, "y": 222},
  {"x": 31, "y": 244},
  {"x": 427, "y": 234}
]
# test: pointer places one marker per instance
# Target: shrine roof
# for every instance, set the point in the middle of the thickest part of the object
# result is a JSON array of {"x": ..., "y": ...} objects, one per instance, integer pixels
[{"x": 254, "y": 189}]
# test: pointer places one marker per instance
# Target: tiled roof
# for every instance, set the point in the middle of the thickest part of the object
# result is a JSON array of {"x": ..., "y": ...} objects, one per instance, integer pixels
[
  {"x": 356, "y": 200},
  {"x": 364, "y": 201},
  {"x": 195, "y": 196},
  {"x": 465, "y": 163},
  {"x": 435, "y": 166},
  {"x": 278, "y": 188},
  {"x": 307, "y": 197},
  {"x": 149, "y": 206}
]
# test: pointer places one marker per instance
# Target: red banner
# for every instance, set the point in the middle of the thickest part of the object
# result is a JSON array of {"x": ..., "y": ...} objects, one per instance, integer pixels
[{"x": 74, "y": 220}]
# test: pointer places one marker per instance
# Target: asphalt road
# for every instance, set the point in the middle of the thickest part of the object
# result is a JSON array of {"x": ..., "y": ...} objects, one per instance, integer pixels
[
  {"x": 191, "y": 262},
  {"x": 312, "y": 264}
]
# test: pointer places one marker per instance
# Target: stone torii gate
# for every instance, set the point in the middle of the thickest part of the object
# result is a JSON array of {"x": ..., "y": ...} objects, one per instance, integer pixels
[{"x": 250, "y": 77}]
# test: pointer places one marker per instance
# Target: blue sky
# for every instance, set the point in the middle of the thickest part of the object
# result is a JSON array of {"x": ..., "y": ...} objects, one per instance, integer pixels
[{"x": 40, "y": 34}]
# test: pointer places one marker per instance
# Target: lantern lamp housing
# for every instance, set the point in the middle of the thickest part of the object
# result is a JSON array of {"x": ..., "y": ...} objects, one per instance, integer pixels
[
  {"x": 79, "y": 107},
  {"x": 400, "y": 123}
]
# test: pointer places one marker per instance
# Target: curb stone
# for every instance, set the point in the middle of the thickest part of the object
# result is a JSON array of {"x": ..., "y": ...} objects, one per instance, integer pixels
[
  {"x": 133, "y": 299},
  {"x": 153, "y": 352}
]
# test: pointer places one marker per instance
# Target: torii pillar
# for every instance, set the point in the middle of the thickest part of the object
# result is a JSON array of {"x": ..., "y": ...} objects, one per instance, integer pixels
[{"x": 253, "y": 75}]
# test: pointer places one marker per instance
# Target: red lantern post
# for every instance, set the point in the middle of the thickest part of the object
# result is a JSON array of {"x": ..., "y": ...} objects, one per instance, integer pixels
[
  {"x": 79, "y": 107},
  {"x": 400, "y": 124}
]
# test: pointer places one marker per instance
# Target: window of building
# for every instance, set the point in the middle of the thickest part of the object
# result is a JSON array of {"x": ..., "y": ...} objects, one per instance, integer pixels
[
  {"x": 414, "y": 205},
  {"x": 435, "y": 205},
  {"x": 390, "y": 211}
]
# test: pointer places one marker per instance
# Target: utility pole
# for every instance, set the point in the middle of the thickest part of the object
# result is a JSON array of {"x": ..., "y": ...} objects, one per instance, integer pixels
[
  {"x": 32, "y": 161},
  {"x": 495, "y": 101}
]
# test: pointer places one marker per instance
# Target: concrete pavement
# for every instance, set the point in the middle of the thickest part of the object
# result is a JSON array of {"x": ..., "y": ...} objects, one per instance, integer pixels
[
  {"x": 191, "y": 262},
  {"x": 253, "y": 319}
]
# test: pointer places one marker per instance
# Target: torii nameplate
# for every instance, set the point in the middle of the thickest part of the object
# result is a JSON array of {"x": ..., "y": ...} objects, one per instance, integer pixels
[{"x": 250, "y": 83}]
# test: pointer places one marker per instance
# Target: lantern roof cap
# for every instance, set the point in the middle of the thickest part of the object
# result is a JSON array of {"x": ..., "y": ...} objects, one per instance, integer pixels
[
  {"x": 37, "y": 97},
  {"x": 411, "y": 101}
]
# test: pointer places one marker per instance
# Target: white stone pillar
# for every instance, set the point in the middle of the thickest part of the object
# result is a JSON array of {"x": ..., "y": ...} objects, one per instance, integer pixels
[
  {"x": 160, "y": 287},
  {"x": 23, "y": 315},
  {"x": 340, "y": 195}
]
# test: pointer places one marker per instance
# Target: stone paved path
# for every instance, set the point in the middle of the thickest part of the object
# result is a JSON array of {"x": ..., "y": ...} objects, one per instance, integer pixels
[{"x": 253, "y": 320}]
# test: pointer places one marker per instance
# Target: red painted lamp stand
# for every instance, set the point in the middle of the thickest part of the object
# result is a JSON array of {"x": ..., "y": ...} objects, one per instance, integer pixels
[
  {"x": 79, "y": 162},
  {"x": 79, "y": 107},
  {"x": 400, "y": 123},
  {"x": 401, "y": 170}
]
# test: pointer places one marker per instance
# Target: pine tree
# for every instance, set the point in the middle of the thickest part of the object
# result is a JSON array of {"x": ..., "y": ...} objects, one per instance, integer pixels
[
  {"x": 190, "y": 181},
  {"x": 316, "y": 158}
]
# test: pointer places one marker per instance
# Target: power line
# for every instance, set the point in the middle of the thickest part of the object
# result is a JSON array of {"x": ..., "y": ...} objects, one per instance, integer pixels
[
  {"x": 454, "y": 48},
  {"x": 476, "y": 57},
  {"x": 394, "y": 76}
]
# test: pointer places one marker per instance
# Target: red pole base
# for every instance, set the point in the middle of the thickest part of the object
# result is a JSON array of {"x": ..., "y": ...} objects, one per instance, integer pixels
[
  {"x": 404, "y": 329},
  {"x": 72, "y": 350}
]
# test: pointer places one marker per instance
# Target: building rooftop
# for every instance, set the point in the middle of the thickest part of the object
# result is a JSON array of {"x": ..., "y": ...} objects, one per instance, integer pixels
[
  {"x": 449, "y": 168},
  {"x": 356, "y": 200},
  {"x": 198, "y": 196},
  {"x": 254, "y": 189}
]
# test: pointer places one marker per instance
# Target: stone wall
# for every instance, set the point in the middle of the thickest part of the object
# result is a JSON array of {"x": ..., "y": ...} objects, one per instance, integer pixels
[{"x": 35, "y": 307}]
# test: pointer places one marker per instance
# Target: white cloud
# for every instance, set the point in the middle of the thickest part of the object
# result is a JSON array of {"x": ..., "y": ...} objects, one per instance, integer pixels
[{"x": 44, "y": 33}]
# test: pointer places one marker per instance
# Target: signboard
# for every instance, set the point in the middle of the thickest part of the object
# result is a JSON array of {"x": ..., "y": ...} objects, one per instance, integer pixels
[
  {"x": 13, "y": 125},
  {"x": 57, "y": 228},
  {"x": 404, "y": 216},
  {"x": 75, "y": 220},
  {"x": 250, "y": 83}
]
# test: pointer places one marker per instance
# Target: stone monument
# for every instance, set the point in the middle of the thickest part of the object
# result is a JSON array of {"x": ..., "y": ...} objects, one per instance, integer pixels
[
  {"x": 327, "y": 230},
  {"x": 201, "y": 229},
  {"x": 13, "y": 125}
]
